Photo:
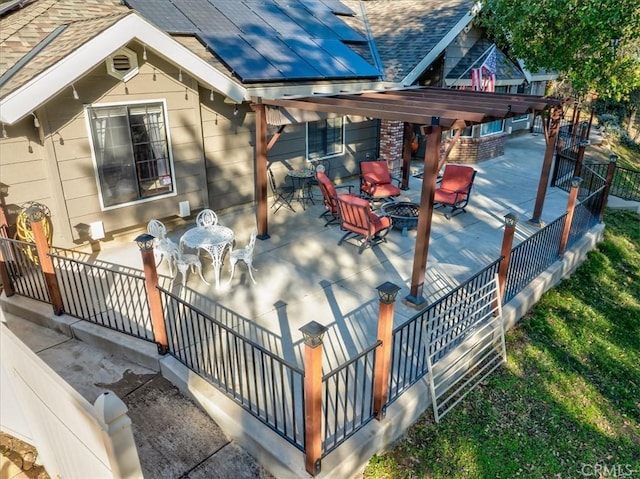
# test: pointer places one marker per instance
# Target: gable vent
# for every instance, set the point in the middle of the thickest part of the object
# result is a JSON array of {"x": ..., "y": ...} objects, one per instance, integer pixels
[{"x": 123, "y": 64}]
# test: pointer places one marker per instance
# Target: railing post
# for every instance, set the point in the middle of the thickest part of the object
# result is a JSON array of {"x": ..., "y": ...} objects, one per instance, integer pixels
[
  {"x": 582, "y": 145},
  {"x": 510, "y": 222},
  {"x": 118, "y": 436},
  {"x": 35, "y": 216},
  {"x": 312, "y": 333},
  {"x": 387, "y": 293},
  {"x": 145, "y": 243},
  {"x": 571, "y": 206},
  {"x": 7, "y": 285},
  {"x": 613, "y": 159}
]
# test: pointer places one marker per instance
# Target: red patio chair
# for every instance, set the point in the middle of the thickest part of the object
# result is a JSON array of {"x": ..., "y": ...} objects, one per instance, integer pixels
[
  {"x": 329, "y": 194},
  {"x": 454, "y": 188},
  {"x": 376, "y": 183},
  {"x": 357, "y": 219}
]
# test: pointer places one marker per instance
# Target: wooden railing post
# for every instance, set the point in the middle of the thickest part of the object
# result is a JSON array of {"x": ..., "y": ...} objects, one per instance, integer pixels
[
  {"x": 145, "y": 243},
  {"x": 613, "y": 159},
  {"x": 7, "y": 285},
  {"x": 582, "y": 145},
  {"x": 35, "y": 216},
  {"x": 387, "y": 293},
  {"x": 312, "y": 333},
  {"x": 510, "y": 222},
  {"x": 571, "y": 206}
]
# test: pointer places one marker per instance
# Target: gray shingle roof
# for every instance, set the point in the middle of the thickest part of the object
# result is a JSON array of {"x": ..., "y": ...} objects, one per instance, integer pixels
[{"x": 405, "y": 31}]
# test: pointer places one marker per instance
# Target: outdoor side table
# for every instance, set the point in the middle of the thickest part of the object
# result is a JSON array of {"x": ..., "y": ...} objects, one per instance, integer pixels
[{"x": 300, "y": 180}]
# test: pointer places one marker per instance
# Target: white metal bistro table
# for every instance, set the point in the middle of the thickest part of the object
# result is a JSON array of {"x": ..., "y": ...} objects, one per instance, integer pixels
[{"x": 212, "y": 239}]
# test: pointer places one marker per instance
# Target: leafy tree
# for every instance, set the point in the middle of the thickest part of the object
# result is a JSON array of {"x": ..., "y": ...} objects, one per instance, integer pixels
[{"x": 594, "y": 44}]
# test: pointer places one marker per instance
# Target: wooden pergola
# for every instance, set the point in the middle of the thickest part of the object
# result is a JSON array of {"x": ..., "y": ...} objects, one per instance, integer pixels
[{"x": 434, "y": 110}]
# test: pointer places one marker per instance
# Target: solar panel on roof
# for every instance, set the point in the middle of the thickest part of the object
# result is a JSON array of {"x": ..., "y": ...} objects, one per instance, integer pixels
[
  {"x": 323, "y": 25},
  {"x": 336, "y": 6},
  {"x": 326, "y": 63},
  {"x": 241, "y": 58},
  {"x": 206, "y": 17},
  {"x": 164, "y": 14},
  {"x": 348, "y": 57},
  {"x": 275, "y": 17},
  {"x": 286, "y": 60},
  {"x": 244, "y": 18}
]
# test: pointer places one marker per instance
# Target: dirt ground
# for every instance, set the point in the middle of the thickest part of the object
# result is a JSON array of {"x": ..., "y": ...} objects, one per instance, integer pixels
[{"x": 21, "y": 454}]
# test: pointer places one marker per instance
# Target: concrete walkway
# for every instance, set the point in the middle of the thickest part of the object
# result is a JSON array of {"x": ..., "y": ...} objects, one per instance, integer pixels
[{"x": 302, "y": 275}]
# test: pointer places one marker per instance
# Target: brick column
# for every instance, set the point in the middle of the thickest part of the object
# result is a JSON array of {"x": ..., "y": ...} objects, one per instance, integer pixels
[{"x": 391, "y": 143}]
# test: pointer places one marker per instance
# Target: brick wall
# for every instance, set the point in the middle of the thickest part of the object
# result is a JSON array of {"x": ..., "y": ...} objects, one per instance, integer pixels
[{"x": 475, "y": 150}]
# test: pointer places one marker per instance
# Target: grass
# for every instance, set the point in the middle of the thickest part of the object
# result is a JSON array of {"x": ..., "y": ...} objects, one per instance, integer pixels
[{"x": 567, "y": 403}]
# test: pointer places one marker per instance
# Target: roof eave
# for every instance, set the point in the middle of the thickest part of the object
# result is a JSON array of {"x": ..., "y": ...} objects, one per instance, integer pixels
[{"x": 27, "y": 98}]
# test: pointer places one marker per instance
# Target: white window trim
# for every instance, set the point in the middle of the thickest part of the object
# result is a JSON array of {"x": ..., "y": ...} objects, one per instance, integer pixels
[
  {"x": 344, "y": 141},
  {"x": 87, "y": 119},
  {"x": 524, "y": 117},
  {"x": 494, "y": 132},
  {"x": 473, "y": 132}
]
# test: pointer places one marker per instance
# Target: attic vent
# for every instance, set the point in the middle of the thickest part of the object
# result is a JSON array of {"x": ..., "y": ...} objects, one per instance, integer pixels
[{"x": 123, "y": 64}]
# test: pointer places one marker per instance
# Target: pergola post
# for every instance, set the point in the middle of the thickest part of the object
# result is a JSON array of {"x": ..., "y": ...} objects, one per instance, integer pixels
[
  {"x": 510, "y": 222},
  {"x": 406, "y": 155},
  {"x": 260, "y": 171},
  {"x": 554, "y": 127},
  {"x": 433, "y": 135}
]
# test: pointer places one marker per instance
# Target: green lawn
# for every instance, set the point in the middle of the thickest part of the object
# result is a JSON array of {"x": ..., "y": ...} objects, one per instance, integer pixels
[{"x": 567, "y": 403}]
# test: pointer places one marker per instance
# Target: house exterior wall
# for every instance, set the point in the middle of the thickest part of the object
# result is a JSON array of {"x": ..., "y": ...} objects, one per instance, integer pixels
[{"x": 65, "y": 166}]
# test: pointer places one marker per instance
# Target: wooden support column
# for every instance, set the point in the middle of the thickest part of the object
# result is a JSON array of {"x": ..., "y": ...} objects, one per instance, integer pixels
[
  {"x": 613, "y": 159},
  {"x": 510, "y": 222},
  {"x": 312, "y": 333},
  {"x": 431, "y": 156},
  {"x": 551, "y": 136},
  {"x": 145, "y": 243},
  {"x": 571, "y": 206},
  {"x": 387, "y": 296},
  {"x": 406, "y": 155},
  {"x": 36, "y": 216},
  {"x": 260, "y": 171}
]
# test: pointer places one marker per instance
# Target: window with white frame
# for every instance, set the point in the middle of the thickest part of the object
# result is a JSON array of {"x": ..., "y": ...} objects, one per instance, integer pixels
[
  {"x": 325, "y": 138},
  {"x": 491, "y": 128},
  {"x": 524, "y": 117},
  {"x": 467, "y": 132},
  {"x": 131, "y": 150}
]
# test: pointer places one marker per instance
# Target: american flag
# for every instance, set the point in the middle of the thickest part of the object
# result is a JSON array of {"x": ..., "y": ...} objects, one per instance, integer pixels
[
  {"x": 476, "y": 79},
  {"x": 489, "y": 65}
]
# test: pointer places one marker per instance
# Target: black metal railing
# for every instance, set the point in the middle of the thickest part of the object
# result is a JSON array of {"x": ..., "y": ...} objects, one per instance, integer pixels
[
  {"x": 586, "y": 215},
  {"x": 95, "y": 293},
  {"x": 533, "y": 256},
  {"x": 348, "y": 398},
  {"x": 625, "y": 183},
  {"x": 268, "y": 387},
  {"x": 23, "y": 267},
  {"x": 439, "y": 321}
]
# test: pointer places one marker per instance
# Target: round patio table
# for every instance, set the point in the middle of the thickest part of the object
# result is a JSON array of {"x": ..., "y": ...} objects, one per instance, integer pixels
[
  {"x": 214, "y": 240},
  {"x": 300, "y": 180}
]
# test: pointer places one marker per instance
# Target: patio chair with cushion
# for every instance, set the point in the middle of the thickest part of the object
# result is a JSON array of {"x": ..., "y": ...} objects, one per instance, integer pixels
[
  {"x": 282, "y": 195},
  {"x": 207, "y": 218},
  {"x": 246, "y": 255},
  {"x": 357, "y": 219},
  {"x": 329, "y": 194},
  {"x": 454, "y": 188},
  {"x": 164, "y": 248},
  {"x": 376, "y": 182}
]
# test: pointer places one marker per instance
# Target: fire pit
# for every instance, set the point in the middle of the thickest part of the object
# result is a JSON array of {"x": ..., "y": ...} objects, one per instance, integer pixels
[{"x": 403, "y": 214}]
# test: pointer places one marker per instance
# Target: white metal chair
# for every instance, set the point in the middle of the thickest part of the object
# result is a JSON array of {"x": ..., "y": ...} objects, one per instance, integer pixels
[
  {"x": 164, "y": 248},
  {"x": 186, "y": 261},
  {"x": 245, "y": 254},
  {"x": 206, "y": 218}
]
